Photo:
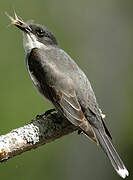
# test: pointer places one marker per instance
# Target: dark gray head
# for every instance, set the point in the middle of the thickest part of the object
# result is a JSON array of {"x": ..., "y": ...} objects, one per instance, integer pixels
[
  {"x": 43, "y": 34},
  {"x": 34, "y": 35}
]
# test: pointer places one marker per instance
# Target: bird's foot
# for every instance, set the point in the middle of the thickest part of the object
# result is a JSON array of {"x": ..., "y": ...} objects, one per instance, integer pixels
[
  {"x": 49, "y": 112},
  {"x": 45, "y": 114}
]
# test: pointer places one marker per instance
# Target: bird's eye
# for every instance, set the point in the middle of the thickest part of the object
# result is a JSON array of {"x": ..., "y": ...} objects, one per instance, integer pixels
[{"x": 40, "y": 32}]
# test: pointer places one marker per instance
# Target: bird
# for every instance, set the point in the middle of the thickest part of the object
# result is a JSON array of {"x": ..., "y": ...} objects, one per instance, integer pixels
[{"x": 59, "y": 79}]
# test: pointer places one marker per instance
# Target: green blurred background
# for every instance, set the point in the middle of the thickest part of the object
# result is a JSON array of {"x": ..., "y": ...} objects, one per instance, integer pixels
[{"x": 99, "y": 36}]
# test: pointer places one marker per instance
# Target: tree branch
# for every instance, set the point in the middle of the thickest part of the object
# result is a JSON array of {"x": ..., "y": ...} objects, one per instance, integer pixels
[{"x": 37, "y": 133}]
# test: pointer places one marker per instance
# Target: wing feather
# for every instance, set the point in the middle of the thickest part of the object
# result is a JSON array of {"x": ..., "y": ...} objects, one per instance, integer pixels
[{"x": 71, "y": 109}]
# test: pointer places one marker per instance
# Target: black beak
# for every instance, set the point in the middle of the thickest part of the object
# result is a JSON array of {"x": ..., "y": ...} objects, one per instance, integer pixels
[{"x": 19, "y": 23}]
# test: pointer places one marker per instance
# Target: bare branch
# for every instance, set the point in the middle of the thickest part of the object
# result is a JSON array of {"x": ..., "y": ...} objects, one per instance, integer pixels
[{"x": 37, "y": 133}]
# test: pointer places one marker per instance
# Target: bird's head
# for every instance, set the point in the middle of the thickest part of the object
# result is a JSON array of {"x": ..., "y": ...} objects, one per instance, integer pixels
[{"x": 34, "y": 35}]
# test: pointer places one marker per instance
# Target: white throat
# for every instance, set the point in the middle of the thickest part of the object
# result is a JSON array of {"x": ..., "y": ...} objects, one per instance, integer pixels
[{"x": 30, "y": 41}]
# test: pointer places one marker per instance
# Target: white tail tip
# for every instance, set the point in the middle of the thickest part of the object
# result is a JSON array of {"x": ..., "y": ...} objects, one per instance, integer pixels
[{"x": 123, "y": 172}]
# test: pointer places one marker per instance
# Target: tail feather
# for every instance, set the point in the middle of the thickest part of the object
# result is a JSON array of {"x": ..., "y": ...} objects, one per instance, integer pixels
[{"x": 108, "y": 148}]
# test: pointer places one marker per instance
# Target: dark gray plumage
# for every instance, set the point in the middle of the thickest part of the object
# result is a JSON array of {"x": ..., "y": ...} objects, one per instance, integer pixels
[{"x": 58, "y": 78}]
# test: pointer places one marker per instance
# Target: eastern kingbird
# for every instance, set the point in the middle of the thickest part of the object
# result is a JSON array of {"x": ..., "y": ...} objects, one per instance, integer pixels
[{"x": 59, "y": 79}]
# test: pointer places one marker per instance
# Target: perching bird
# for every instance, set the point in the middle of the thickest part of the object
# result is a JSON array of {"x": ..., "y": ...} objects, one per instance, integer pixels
[{"x": 59, "y": 79}]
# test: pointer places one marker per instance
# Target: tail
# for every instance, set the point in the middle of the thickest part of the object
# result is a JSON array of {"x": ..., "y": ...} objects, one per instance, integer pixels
[{"x": 108, "y": 148}]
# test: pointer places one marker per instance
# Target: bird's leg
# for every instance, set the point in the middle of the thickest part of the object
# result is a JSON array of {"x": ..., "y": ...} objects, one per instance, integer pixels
[{"x": 46, "y": 113}]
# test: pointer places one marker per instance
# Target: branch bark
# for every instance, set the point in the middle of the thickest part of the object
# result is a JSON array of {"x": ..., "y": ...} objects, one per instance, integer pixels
[{"x": 38, "y": 132}]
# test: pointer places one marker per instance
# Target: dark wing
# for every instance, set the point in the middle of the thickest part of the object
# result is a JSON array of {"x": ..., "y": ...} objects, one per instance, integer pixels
[{"x": 66, "y": 102}]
